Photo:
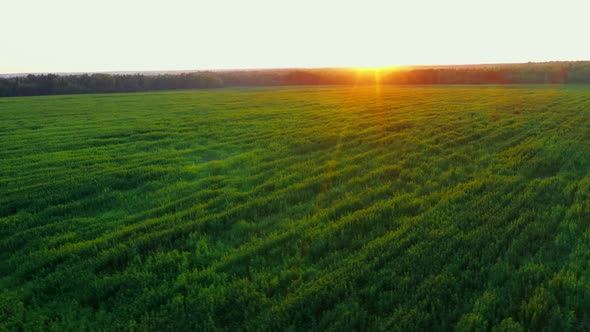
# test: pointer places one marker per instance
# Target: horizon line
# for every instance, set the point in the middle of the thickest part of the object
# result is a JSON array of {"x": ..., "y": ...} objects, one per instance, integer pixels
[{"x": 123, "y": 71}]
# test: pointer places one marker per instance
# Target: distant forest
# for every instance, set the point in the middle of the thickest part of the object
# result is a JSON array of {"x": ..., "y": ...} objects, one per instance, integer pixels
[{"x": 528, "y": 73}]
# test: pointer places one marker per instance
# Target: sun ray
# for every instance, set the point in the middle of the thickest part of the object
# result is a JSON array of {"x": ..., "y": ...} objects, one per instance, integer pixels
[{"x": 335, "y": 154}]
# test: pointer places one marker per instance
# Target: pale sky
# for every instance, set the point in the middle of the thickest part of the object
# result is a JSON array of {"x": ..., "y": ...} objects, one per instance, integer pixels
[{"x": 113, "y": 35}]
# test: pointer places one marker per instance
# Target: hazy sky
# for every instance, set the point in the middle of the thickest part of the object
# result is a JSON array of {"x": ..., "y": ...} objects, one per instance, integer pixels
[{"x": 105, "y": 35}]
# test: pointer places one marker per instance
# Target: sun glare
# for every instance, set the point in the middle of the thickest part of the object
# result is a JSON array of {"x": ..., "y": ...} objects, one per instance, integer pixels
[{"x": 377, "y": 68}]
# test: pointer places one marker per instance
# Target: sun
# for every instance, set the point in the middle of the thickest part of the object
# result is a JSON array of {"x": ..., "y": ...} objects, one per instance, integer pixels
[
  {"x": 377, "y": 68},
  {"x": 366, "y": 68}
]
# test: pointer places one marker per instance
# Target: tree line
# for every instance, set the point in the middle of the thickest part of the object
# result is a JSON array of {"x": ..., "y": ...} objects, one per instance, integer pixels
[
  {"x": 528, "y": 73},
  {"x": 51, "y": 84}
]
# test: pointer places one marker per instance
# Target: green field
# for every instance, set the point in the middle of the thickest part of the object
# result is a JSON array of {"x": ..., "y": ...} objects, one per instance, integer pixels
[{"x": 311, "y": 208}]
